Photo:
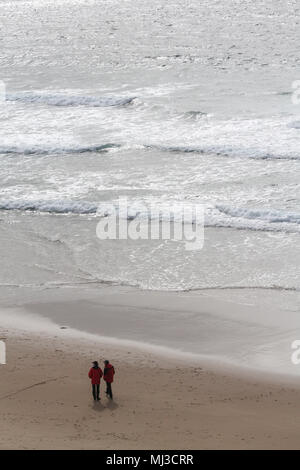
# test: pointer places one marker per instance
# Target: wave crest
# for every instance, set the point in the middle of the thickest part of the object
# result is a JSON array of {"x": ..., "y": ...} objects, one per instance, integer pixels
[
  {"x": 271, "y": 215},
  {"x": 255, "y": 154},
  {"x": 218, "y": 216},
  {"x": 36, "y": 150},
  {"x": 70, "y": 100},
  {"x": 57, "y": 207}
]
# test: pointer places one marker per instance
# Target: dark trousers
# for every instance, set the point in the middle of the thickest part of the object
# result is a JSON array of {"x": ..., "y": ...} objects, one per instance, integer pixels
[
  {"x": 96, "y": 391},
  {"x": 108, "y": 389}
]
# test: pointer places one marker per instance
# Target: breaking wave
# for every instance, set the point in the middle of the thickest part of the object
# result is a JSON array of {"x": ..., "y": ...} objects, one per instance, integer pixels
[
  {"x": 36, "y": 150},
  {"x": 221, "y": 216},
  {"x": 57, "y": 207},
  {"x": 69, "y": 100},
  {"x": 252, "y": 153},
  {"x": 205, "y": 150},
  {"x": 272, "y": 216}
]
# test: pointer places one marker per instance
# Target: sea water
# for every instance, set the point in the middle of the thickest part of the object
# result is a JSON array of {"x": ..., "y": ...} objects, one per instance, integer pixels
[{"x": 162, "y": 103}]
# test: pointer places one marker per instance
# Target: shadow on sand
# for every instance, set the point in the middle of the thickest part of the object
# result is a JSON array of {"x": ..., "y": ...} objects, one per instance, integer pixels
[
  {"x": 112, "y": 405},
  {"x": 100, "y": 406}
]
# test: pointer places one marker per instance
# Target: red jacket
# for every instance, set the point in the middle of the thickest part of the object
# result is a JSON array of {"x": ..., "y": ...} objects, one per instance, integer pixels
[
  {"x": 95, "y": 375},
  {"x": 109, "y": 373}
]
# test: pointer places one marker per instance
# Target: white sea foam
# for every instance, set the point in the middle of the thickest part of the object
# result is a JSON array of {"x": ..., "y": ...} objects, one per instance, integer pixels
[
  {"x": 253, "y": 219},
  {"x": 215, "y": 216},
  {"x": 272, "y": 216}
]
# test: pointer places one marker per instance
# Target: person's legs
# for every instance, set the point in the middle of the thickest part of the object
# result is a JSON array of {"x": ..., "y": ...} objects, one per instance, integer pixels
[
  {"x": 108, "y": 389},
  {"x": 98, "y": 392},
  {"x": 94, "y": 392}
]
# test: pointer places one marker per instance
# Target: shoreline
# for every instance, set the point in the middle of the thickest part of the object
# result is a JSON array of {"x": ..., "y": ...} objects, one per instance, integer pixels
[
  {"x": 250, "y": 332},
  {"x": 45, "y": 329}
]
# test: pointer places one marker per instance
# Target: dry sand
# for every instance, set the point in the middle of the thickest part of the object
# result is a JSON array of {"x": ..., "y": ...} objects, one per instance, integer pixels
[{"x": 45, "y": 401}]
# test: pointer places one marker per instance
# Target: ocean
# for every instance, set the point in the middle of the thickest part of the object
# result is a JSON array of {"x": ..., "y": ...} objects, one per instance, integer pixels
[{"x": 162, "y": 103}]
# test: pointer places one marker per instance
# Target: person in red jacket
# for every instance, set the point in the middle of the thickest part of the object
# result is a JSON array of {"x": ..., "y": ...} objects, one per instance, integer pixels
[
  {"x": 109, "y": 373},
  {"x": 95, "y": 375}
]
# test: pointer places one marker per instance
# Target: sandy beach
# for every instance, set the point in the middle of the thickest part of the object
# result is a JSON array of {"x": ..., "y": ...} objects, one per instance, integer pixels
[
  {"x": 161, "y": 401},
  {"x": 46, "y": 403}
]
